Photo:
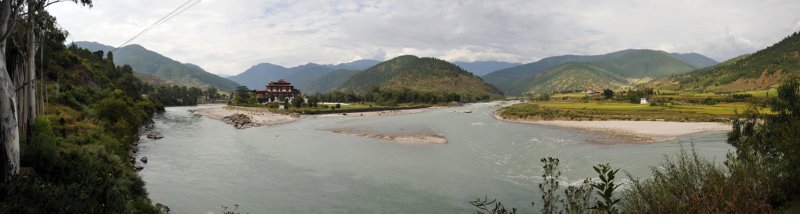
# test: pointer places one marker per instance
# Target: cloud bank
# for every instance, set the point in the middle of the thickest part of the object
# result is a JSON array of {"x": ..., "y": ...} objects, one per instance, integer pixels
[{"x": 229, "y": 36}]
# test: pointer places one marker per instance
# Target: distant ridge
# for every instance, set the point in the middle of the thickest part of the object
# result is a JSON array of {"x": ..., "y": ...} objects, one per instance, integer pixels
[
  {"x": 480, "y": 68},
  {"x": 154, "y": 64},
  {"x": 304, "y": 77}
]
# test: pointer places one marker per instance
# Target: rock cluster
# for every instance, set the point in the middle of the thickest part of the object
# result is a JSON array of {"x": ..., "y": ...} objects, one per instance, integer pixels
[{"x": 240, "y": 121}]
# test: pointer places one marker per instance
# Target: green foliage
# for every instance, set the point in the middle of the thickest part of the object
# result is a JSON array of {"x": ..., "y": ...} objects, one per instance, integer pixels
[
  {"x": 608, "y": 94},
  {"x": 690, "y": 184},
  {"x": 577, "y": 198},
  {"x": 77, "y": 155},
  {"x": 549, "y": 185},
  {"x": 635, "y": 96},
  {"x": 243, "y": 97},
  {"x": 176, "y": 95},
  {"x": 773, "y": 137},
  {"x": 605, "y": 189},
  {"x": 419, "y": 74},
  {"x": 297, "y": 101}
]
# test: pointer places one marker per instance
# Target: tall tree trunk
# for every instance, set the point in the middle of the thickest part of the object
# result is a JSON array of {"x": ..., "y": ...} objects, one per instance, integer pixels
[
  {"x": 30, "y": 77},
  {"x": 9, "y": 131}
]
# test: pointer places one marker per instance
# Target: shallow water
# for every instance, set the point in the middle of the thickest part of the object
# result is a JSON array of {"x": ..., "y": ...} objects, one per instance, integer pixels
[{"x": 202, "y": 164}]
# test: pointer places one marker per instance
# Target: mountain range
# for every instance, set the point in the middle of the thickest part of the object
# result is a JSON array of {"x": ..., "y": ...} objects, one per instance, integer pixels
[
  {"x": 147, "y": 62},
  {"x": 596, "y": 72},
  {"x": 309, "y": 78}
]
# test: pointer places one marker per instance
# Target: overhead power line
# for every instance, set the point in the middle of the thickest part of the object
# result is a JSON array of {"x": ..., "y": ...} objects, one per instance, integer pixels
[{"x": 177, "y": 11}]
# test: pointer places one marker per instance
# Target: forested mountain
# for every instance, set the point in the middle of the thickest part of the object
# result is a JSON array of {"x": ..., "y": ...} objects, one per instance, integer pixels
[
  {"x": 152, "y": 63},
  {"x": 419, "y": 74},
  {"x": 480, "y": 68},
  {"x": 761, "y": 70},
  {"x": 329, "y": 81},
  {"x": 622, "y": 65}
]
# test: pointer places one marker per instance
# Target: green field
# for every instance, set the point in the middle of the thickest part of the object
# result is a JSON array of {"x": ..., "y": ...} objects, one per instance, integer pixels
[{"x": 600, "y": 110}]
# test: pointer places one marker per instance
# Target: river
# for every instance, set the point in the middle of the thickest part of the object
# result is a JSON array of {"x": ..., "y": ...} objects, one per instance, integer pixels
[{"x": 202, "y": 164}]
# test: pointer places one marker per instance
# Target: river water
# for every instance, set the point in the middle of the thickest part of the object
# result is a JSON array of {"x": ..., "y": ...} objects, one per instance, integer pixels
[{"x": 202, "y": 164}]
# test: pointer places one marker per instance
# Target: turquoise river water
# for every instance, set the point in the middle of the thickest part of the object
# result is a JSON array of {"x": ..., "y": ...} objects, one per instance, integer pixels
[{"x": 202, "y": 164}]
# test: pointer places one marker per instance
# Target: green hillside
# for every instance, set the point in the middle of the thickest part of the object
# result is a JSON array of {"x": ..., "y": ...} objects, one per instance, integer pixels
[
  {"x": 573, "y": 76},
  {"x": 329, "y": 81},
  {"x": 152, "y": 63},
  {"x": 761, "y": 70},
  {"x": 421, "y": 74},
  {"x": 611, "y": 69}
]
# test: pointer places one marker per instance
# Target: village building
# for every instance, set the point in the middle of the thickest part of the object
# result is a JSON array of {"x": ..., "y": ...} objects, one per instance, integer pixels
[{"x": 279, "y": 89}]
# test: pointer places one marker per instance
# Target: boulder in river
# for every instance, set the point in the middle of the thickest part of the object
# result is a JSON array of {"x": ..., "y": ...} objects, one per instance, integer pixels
[
  {"x": 155, "y": 135},
  {"x": 144, "y": 159},
  {"x": 138, "y": 166}
]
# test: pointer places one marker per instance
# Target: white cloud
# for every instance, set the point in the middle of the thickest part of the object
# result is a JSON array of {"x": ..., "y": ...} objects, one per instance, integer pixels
[{"x": 230, "y": 36}]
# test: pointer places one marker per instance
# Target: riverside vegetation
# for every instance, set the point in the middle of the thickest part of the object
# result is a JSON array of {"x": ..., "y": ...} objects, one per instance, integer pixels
[
  {"x": 77, "y": 158},
  {"x": 759, "y": 177}
]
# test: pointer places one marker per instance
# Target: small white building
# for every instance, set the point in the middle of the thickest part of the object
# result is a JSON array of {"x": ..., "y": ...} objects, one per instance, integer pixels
[{"x": 643, "y": 100}]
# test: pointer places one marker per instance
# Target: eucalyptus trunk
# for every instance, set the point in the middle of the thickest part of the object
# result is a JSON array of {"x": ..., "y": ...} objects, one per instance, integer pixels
[
  {"x": 9, "y": 130},
  {"x": 30, "y": 72}
]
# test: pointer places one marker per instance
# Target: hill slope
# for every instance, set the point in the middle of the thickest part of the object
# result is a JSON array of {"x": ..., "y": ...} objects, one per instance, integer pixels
[
  {"x": 760, "y": 70},
  {"x": 421, "y": 74},
  {"x": 573, "y": 76},
  {"x": 626, "y": 64},
  {"x": 480, "y": 68},
  {"x": 329, "y": 81},
  {"x": 698, "y": 60},
  {"x": 154, "y": 64}
]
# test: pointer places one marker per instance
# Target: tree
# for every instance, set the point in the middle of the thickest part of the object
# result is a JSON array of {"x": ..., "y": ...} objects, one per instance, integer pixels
[
  {"x": 9, "y": 129},
  {"x": 241, "y": 95},
  {"x": 211, "y": 93},
  {"x": 297, "y": 101},
  {"x": 608, "y": 93}
]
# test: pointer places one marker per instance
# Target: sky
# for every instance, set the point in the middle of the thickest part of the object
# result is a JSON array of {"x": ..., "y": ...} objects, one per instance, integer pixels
[{"x": 229, "y": 36}]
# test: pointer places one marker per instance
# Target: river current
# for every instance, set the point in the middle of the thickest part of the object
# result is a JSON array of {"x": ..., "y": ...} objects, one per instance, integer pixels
[{"x": 202, "y": 164}]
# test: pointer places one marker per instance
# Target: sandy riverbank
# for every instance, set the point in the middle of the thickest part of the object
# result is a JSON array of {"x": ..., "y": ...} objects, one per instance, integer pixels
[
  {"x": 634, "y": 132},
  {"x": 259, "y": 117},
  {"x": 400, "y": 138}
]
